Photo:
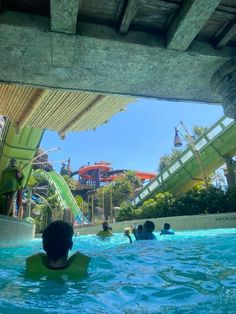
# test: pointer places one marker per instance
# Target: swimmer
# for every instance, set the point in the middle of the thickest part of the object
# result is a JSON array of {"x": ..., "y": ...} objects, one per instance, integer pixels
[
  {"x": 57, "y": 241},
  {"x": 167, "y": 230},
  {"x": 142, "y": 232},
  {"x": 137, "y": 232},
  {"x": 148, "y": 228},
  {"x": 106, "y": 232}
]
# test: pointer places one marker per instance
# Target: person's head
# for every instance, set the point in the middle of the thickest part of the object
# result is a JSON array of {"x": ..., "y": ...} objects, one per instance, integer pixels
[
  {"x": 166, "y": 226},
  {"x": 105, "y": 226},
  {"x": 12, "y": 162},
  {"x": 57, "y": 240},
  {"x": 140, "y": 228},
  {"x": 148, "y": 226}
]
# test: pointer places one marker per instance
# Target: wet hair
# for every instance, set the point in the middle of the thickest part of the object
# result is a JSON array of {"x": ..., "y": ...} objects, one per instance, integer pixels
[
  {"x": 149, "y": 226},
  {"x": 140, "y": 228},
  {"x": 105, "y": 226},
  {"x": 57, "y": 239},
  {"x": 166, "y": 226}
]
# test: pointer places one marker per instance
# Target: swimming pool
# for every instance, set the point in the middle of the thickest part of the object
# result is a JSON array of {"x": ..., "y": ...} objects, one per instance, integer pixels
[{"x": 190, "y": 272}]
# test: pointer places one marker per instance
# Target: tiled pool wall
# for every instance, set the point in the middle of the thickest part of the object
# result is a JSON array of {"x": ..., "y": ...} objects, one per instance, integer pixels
[
  {"x": 14, "y": 231},
  {"x": 178, "y": 223}
]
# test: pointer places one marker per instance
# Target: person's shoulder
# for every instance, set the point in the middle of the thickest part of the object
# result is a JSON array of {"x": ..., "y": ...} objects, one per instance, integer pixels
[
  {"x": 80, "y": 255},
  {"x": 34, "y": 257},
  {"x": 79, "y": 261},
  {"x": 148, "y": 236},
  {"x": 34, "y": 262},
  {"x": 104, "y": 234},
  {"x": 152, "y": 236},
  {"x": 167, "y": 232}
]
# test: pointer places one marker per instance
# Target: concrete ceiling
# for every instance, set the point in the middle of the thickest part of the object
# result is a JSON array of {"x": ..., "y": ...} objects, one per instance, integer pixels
[{"x": 160, "y": 49}]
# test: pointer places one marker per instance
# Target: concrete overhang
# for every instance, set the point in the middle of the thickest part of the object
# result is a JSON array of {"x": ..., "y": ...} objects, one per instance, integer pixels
[
  {"x": 159, "y": 49},
  {"x": 103, "y": 62}
]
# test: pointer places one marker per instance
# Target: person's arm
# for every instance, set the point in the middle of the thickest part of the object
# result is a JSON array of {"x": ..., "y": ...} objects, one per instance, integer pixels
[
  {"x": 19, "y": 175},
  {"x": 127, "y": 234},
  {"x": 129, "y": 237},
  {"x": 134, "y": 231}
]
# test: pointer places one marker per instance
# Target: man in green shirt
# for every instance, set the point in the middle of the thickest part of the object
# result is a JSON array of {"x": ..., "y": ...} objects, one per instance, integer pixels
[{"x": 11, "y": 182}]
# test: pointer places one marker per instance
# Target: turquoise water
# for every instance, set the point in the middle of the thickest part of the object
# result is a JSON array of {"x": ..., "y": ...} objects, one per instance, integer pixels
[{"x": 191, "y": 272}]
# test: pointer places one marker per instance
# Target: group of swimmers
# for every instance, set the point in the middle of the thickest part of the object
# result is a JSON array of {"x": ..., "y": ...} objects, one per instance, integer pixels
[
  {"x": 57, "y": 241},
  {"x": 140, "y": 232}
]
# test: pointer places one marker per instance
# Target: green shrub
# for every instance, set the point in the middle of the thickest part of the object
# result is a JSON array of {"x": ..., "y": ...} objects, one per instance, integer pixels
[
  {"x": 126, "y": 212},
  {"x": 199, "y": 200}
]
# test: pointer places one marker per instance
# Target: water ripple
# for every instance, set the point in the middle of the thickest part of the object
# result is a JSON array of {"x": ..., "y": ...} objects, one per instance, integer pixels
[{"x": 191, "y": 272}]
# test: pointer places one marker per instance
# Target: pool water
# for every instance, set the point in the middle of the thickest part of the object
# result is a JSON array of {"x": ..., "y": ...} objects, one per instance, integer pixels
[{"x": 190, "y": 272}]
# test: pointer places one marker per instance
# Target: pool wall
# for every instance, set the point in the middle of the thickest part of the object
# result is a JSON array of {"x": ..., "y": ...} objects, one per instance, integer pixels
[
  {"x": 226, "y": 220},
  {"x": 14, "y": 231}
]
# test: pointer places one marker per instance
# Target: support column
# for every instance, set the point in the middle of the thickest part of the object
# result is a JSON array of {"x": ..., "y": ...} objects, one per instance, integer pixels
[
  {"x": 230, "y": 172},
  {"x": 224, "y": 83}
]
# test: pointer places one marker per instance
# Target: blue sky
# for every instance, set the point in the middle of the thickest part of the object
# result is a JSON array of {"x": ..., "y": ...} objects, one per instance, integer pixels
[{"x": 134, "y": 139}]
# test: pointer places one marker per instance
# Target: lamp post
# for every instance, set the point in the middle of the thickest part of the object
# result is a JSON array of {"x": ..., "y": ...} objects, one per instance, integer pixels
[
  {"x": 103, "y": 205},
  {"x": 189, "y": 138},
  {"x": 92, "y": 196},
  {"x": 111, "y": 205}
]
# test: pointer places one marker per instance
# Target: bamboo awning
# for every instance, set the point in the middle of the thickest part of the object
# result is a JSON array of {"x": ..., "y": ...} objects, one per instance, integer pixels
[{"x": 61, "y": 111}]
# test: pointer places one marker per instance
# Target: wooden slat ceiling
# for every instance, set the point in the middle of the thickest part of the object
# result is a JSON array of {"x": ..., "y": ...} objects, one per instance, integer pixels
[
  {"x": 151, "y": 16},
  {"x": 58, "y": 110},
  {"x": 223, "y": 15}
]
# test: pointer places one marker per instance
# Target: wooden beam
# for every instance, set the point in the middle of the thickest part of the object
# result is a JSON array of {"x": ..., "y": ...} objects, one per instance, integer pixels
[
  {"x": 129, "y": 14},
  {"x": 228, "y": 32},
  {"x": 190, "y": 19},
  {"x": 71, "y": 124},
  {"x": 33, "y": 105},
  {"x": 64, "y": 15}
]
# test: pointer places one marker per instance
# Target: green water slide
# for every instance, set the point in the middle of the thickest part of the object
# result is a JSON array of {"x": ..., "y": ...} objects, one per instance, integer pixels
[
  {"x": 64, "y": 196},
  {"x": 21, "y": 146},
  {"x": 216, "y": 144}
]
